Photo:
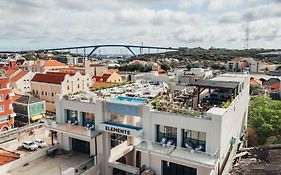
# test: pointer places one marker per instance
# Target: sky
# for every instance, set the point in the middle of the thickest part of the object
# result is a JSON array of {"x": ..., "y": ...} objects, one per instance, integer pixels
[{"x": 37, "y": 24}]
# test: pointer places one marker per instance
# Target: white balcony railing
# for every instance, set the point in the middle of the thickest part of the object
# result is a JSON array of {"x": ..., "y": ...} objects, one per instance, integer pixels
[
  {"x": 181, "y": 153},
  {"x": 73, "y": 129}
]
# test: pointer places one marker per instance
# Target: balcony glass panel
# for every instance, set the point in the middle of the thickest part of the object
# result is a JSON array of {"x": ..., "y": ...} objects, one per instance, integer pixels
[
  {"x": 88, "y": 119},
  {"x": 71, "y": 116},
  {"x": 125, "y": 119}
]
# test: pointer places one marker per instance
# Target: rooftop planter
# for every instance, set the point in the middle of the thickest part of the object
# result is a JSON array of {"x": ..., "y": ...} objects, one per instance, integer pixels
[{"x": 159, "y": 104}]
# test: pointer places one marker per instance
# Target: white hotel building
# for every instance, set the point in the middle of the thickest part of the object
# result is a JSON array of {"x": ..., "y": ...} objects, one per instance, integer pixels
[{"x": 196, "y": 133}]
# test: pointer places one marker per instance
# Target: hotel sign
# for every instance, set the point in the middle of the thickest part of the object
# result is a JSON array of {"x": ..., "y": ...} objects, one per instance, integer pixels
[
  {"x": 120, "y": 130},
  {"x": 117, "y": 130}
]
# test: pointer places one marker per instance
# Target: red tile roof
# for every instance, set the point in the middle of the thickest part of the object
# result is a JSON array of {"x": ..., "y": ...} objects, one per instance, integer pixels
[
  {"x": 11, "y": 71},
  {"x": 104, "y": 77},
  {"x": 7, "y": 157},
  {"x": 49, "y": 77},
  {"x": 53, "y": 63},
  {"x": 254, "y": 81},
  {"x": 19, "y": 75},
  {"x": 275, "y": 87}
]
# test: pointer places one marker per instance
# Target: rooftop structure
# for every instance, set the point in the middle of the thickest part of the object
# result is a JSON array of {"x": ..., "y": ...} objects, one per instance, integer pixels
[{"x": 142, "y": 125}]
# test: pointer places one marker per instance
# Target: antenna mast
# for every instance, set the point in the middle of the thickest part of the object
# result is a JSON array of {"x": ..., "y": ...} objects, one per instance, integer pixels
[{"x": 247, "y": 32}]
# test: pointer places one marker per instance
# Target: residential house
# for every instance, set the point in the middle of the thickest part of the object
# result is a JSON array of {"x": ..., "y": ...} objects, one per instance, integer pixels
[
  {"x": 111, "y": 78},
  {"x": 46, "y": 86},
  {"x": 43, "y": 66},
  {"x": 6, "y": 101},
  {"x": 29, "y": 109},
  {"x": 95, "y": 69},
  {"x": 243, "y": 64},
  {"x": 21, "y": 81}
]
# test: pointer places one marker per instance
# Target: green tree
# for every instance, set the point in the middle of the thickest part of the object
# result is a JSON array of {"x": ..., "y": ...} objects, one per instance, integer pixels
[
  {"x": 165, "y": 66},
  {"x": 265, "y": 119}
]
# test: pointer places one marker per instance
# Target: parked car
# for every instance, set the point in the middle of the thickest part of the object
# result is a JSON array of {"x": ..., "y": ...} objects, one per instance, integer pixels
[
  {"x": 40, "y": 143},
  {"x": 30, "y": 145}
]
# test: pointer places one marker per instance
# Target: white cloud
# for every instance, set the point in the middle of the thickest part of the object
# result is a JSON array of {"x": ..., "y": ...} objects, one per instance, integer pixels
[{"x": 52, "y": 23}]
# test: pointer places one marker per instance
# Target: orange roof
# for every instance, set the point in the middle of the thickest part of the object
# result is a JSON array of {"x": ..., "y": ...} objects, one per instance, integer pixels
[
  {"x": 19, "y": 75},
  {"x": 98, "y": 84},
  {"x": 36, "y": 62},
  {"x": 254, "y": 81},
  {"x": 11, "y": 71},
  {"x": 53, "y": 63},
  {"x": 7, "y": 157},
  {"x": 111, "y": 71},
  {"x": 275, "y": 86}
]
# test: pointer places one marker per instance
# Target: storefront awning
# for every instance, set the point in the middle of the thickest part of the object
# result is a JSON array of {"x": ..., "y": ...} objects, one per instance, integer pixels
[{"x": 36, "y": 117}]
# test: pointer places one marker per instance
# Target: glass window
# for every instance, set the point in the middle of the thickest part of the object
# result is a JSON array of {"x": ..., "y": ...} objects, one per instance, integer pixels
[
  {"x": 1, "y": 108},
  {"x": 117, "y": 139},
  {"x": 170, "y": 168},
  {"x": 166, "y": 134},
  {"x": 88, "y": 119},
  {"x": 194, "y": 140},
  {"x": 71, "y": 116},
  {"x": 1, "y": 97}
]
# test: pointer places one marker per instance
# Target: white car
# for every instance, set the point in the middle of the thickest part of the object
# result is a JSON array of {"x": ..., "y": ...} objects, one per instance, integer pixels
[
  {"x": 30, "y": 145},
  {"x": 40, "y": 143}
]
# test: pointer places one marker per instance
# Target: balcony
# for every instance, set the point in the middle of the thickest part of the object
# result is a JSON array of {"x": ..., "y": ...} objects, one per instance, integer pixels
[
  {"x": 77, "y": 130},
  {"x": 190, "y": 155}
]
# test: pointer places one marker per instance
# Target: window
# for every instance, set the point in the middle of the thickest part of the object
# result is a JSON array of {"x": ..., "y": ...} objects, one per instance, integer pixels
[
  {"x": 11, "y": 106},
  {"x": 0, "y": 86},
  {"x": 78, "y": 86},
  {"x": 1, "y": 97},
  {"x": 1, "y": 108},
  {"x": 170, "y": 168},
  {"x": 4, "y": 118},
  {"x": 9, "y": 85},
  {"x": 42, "y": 93},
  {"x": 37, "y": 92},
  {"x": 194, "y": 140},
  {"x": 78, "y": 79},
  {"x": 71, "y": 116},
  {"x": 46, "y": 93},
  {"x": 166, "y": 134},
  {"x": 117, "y": 139},
  {"x": 67, "y": 87},
  {"x": 52, "y": 94},
  {"x": 88, "y": 119}
]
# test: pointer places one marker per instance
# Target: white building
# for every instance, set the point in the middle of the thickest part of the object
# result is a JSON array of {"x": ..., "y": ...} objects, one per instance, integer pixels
[
  {"x": 21, "y": 82},
  {"x": 195, "y": 134}
]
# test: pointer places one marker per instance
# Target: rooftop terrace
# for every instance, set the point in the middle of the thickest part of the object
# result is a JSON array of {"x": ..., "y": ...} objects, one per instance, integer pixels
[{"x": 194, "y": 101}]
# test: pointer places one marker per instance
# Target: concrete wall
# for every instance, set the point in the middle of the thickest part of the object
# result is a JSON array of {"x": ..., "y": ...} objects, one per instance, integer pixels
[
  {"x": 23, "y": 85},
  {"x": 24, "y": 159},
  {"x": 154, "y": 163},
  {"x": 75, "y": 83}
]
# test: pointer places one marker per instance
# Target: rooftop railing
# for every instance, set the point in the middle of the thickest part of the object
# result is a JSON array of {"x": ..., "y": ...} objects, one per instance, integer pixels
[{"x": 85, "y": 166}]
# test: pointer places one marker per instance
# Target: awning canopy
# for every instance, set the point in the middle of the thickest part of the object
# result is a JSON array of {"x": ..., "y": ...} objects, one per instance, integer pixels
[{"x": 36, "y": 117}]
